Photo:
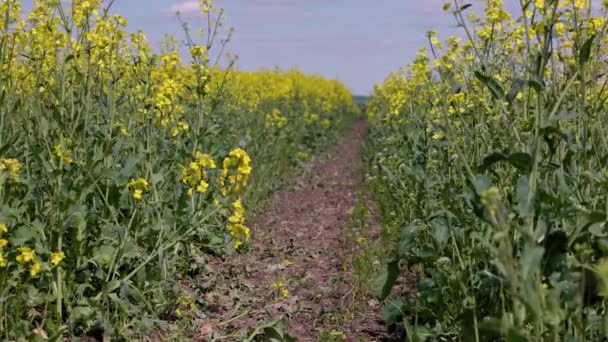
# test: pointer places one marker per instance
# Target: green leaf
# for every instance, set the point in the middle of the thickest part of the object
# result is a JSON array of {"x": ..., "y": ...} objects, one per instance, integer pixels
[
  {"x": 393, "y": 311},
  {"x": 496, "y": 90},
  {"x": 387, "y": 279},
  {"x": 21, "y": 235},
  {"x": 523, "y": 188},
  {"x": 407, "y": 240},
  {"x": 530, "y": 261},
  {"x": 518, "y": 86},
  {"x": 464, "y": 7},
  {"x": 490, "y": 160},
  {"x": 514, "y": 335},
  {"x": 441, "y": 232},
  {"x": 536, "y": 85},
  {"x": 598, "y": 229},
  {"x": 104, "y": 254},
  {"x": 522, "y": 161},
  {"x": 563, "y": 116},
  {"x": 585, "y": 51}
]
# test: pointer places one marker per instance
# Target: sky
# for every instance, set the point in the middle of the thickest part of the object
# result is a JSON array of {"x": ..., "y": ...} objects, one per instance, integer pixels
[{"x": 358, "y": 42}]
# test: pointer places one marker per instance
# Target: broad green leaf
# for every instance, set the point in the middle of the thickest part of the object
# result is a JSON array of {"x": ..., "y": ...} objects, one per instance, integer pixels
[
  {"x": 441, "y": 232},
  {"x": 522, "y": 161},
  {"x": 490, "y": 160},
  {"x": 392, "y": 310},
  {"x": 585, "y": 51},
  {"x": 563, "y": 116},
  {"x": 408, "y": 240},
  {"x": 104, "y": 254},
  {"x": 387, "y": 279},
  {"x": 496, "y": 90},
  {"x": 598, "y": 229},
  {"x": 21, "y": 235},
  {"x": 517, "y": 86}
]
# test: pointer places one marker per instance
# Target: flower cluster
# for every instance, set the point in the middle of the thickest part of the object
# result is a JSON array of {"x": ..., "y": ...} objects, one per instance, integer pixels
[
  {"x": 194, "y": 175},
  {"x": 3, "y": 243},
  {"x": 236, "y": 224},
  {"x": 274, "y": 119},
  {"x": 10, "y": 168},
  {"x": 138, "y": 187},
  {"x": 235, "y": 172},
  {"x": 281, "y": 288}
]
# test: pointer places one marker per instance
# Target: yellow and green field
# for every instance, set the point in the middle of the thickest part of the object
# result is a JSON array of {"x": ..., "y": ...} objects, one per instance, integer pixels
[{"x": 165, "y": 194}]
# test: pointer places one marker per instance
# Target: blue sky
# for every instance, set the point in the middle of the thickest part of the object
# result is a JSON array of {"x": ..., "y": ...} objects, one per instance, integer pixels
[{"x": 357, "y": 41}]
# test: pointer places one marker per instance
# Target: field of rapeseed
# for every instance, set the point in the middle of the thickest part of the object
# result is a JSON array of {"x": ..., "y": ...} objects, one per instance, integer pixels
[
  {"x": 120, "y": 166},
  {"x": 489, "y": 162}
]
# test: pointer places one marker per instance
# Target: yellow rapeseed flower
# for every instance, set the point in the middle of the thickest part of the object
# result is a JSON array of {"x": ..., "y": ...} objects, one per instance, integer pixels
[
  {"x": 2, "y": 261},
  {"x": 236, "y": 224},
  {"x": 12, "y": 167},
  {"x": 281, "y": 288},
  {"x": 57, "y": 257},
  {"x": 26, "y": 255},
  {"x": 195, "y": 175},
  {"x": 139, "y": 187},
  {"x": 240, "y": 160},
  {"x": 60, "y": 152},
  {"x": 35, "y": 268}
]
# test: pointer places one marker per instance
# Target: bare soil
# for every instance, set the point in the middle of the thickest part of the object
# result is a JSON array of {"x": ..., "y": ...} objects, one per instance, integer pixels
[{"x": 299, "y": 240}]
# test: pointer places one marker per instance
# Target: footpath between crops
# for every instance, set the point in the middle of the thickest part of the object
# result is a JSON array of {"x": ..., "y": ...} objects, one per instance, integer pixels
[{"x": 309, "y": 270}]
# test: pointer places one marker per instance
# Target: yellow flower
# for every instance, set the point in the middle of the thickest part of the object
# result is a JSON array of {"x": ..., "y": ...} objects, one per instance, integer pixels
[
  {"x": 3, "y": 229},
  {"x": 236, "y": 224},
  {"x": 12, "y": 167},
  {"x": 2, "y": 261},
  {"x": 197, "y": 51},
  {"x": 138, "y": 194},
  {"x": 560, "y": 28},
  {"x": 65, "y": 155},
  {"x": 302, "y": 155},
  {"x": 3, "y": 243},
  {"x": 280, "y": 287},
  {"x": 178, "y": 312},
  {"x": 438, "y": 136},
  {"x": 240, "y": 233},
  {"x": 26, "y": 255},
  {"x": 35, "y": 268},
  {"x": 325, "y": 123},
  {"x": 275, "y": 119},
  {"x": 57, "y": 257},
  {"x": 337, "y": 334},
  {"x": 361, "y": 239},
  {"x": 195, "y": 176},
  {"x": 139, "y": 187},
  {"x": 202, "y": 186},
  {"x": 240, "y": 159}
]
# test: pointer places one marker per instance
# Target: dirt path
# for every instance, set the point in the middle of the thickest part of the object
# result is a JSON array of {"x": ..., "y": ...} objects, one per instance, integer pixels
[{"x": 299, "y": 246}]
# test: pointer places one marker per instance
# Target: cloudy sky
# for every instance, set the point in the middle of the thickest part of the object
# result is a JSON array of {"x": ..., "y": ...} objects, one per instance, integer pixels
[{"x": 356, "y": 41}]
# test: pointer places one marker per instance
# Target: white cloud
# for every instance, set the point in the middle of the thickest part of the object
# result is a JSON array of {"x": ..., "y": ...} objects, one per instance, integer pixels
[{"x": 186, "y": 7}]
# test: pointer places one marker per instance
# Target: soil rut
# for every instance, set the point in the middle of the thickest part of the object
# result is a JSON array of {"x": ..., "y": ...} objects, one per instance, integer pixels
[{"x": 299, "y": 242}]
